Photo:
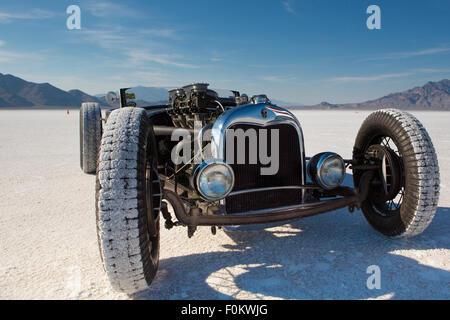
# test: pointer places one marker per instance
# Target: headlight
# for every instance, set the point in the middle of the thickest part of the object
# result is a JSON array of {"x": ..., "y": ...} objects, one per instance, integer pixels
[
  {"x": 111, "y": 97},
  {"x": 213, "y": 179},
  {"x": 327, "y": 169}
]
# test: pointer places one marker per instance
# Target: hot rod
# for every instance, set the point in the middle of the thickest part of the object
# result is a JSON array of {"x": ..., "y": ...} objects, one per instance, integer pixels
[{"x": 210, "y": 160}]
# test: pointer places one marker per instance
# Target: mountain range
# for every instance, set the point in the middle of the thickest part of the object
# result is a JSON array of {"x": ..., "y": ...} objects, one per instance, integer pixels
[
  {"x": 431, "y": 96},
  {"x": 16, "y": 92}
]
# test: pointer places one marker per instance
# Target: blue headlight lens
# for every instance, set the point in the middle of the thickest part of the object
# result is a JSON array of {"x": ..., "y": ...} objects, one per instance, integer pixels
[
  {"x": 332, "y": 171},
  {"x": 215, "y": 180},
  {"x": 327, "y": 169}
]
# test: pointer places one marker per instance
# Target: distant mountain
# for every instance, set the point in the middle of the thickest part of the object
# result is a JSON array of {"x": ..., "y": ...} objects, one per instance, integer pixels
[
  {"x": 431, "y": 96},
  {"x": 285, "y": 103},
  {"x": 82, "y": 96},
  {"x": 139, "y": 102},
  {"x": 151, "y": 94},
  {"x": 16, "y": 92},
  {"x": 146, "y": 96}
]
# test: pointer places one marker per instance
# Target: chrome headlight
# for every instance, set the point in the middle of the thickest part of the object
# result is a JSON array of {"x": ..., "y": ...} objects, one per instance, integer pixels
[
  {"x": 111, "y": 97},
  {"x": 327, "y": 169},
  {"x": 213, "y": 179}
]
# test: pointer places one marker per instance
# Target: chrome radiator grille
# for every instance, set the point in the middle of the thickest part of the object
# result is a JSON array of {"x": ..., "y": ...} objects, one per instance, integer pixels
[{"x": 248, "y": 176}]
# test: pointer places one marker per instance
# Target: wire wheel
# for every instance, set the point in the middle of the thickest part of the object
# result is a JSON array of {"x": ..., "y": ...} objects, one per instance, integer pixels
[
  {"x": 153, "y": 198},
  {"x": 388, "y": 197}
]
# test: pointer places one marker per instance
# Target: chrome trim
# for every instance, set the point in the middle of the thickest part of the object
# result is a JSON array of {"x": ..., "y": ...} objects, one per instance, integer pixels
[
  {"x": 260, "y": 98},
  {"x": 285, "y": 208},
  {"x": 270, "y": 188},
  {"x": 252, "y": 114},
  {"x": 199, "y": 138}
]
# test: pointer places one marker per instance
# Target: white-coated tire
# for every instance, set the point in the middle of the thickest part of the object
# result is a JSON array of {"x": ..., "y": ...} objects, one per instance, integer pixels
[
  {"x": 90, "y": 136},
  {"x": 129, "y": 251},
  {"x": 420, "y": 172}
]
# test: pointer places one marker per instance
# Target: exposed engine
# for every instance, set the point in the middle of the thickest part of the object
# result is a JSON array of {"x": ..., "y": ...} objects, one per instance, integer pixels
[{"x": 195, "y": 102}]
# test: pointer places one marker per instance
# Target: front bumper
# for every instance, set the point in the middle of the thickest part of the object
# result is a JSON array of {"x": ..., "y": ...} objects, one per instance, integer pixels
[{"x": 349, "y": 197}]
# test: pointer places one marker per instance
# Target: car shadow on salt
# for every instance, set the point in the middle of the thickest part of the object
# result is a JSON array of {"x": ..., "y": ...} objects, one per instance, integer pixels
[{"x": 321, "y": 257}]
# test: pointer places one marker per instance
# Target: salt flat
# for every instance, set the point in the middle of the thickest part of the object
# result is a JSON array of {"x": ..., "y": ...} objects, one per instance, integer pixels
[{"x": 48, "y": 245}]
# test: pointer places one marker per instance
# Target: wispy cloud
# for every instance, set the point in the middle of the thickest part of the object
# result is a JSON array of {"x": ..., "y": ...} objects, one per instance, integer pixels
[
  {"x": 153, "y": 78},
  {"x": 137, "y": 49},
  {"x": 104, "y": 9},
  {"x": 229, "y": 55},
  {"x": 6, "y": 56},
  {"x": 278, "y": 78},
  {"x": 35, "y": 14},
  {"x": 432, "y": 70},
  {"x": 141, "y": 56},
  {"x": 121, "y": 39},
  {"x": 409, "y": 54},
  {"x": 162, "y": 33},
  {"x": 17, "y": 57},
  {"x": 371, "y": 78},
  {"x": 388, "y": 75},
  {"x": 108, "y": 39},
  {"x": 288, "y": 6}
]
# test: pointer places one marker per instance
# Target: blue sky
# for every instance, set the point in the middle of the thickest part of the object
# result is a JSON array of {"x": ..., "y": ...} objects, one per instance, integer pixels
[{"x": 293, "y": 50}]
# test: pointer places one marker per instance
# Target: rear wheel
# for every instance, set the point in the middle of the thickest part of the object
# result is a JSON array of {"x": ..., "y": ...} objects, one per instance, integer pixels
[
  {"x": 128, "y": 201},
  {"x": 90, "y": 136},
  {"x": 404, "y": 195}
]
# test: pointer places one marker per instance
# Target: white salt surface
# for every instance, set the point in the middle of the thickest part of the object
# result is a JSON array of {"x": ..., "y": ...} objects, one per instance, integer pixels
[{"x": 48, "y": 244}]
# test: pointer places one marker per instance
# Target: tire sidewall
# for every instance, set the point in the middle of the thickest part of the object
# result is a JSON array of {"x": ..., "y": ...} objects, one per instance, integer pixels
[{"x": 145, "y": 156}]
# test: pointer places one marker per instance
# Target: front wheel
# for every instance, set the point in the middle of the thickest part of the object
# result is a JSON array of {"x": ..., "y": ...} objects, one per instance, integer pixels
[
  {"x": 404, "y": 195},
  {"x": 128, "y": 197}
]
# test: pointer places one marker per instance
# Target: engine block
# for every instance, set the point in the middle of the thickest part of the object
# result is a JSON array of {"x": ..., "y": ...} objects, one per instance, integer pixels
[{"x": 195, "y": 102}]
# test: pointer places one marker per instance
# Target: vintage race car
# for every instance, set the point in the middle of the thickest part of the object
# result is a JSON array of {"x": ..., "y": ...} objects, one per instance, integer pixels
[{"x": 209, "y": 160}]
